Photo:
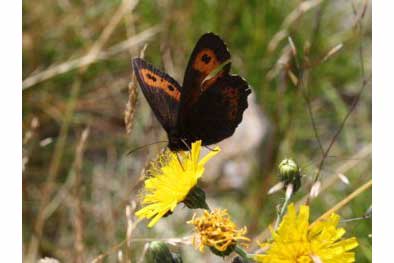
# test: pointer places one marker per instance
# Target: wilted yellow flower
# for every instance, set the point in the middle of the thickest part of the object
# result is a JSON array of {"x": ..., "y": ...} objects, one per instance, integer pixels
[
  {"x": 170, "y": 180},
  {"x": 216, "y": 231},
  {"x": 296, "y": 241}
]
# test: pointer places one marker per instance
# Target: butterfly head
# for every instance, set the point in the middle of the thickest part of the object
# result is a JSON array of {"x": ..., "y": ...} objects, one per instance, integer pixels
[{"x": 176, "y": 143}]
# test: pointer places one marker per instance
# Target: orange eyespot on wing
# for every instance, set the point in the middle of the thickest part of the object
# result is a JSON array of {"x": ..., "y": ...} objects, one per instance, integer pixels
[
  {"x": 206, "y": 61},
  {"x": 153, "y": 80}
]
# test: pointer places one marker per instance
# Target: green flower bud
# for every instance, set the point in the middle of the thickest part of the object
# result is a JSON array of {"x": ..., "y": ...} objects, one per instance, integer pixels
[
  {"x": 196, "y": 199},
  {"x": 158, "y": 252},
  {"x": 238, "y": 259},
  {"x": 176, "y": 258},
  {"x": 290, "y": 173}
]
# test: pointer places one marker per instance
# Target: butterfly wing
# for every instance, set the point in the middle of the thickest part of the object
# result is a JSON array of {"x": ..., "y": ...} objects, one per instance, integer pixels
[
  {"x": 161, "y": 91},
  {"x": 208, "y": 54},
  {"x": 218, "y": 111},
  {"x": 211, "y": 109}
]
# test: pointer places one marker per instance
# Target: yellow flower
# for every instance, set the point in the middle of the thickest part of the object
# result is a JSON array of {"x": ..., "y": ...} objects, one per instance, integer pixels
[
  {"x": 298, "y": 242},
  {"x": 170, "y": 181},
  {"x": 216, "y": 231}
]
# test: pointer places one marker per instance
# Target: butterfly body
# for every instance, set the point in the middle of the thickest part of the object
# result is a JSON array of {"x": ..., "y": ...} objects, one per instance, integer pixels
[{"x": 203, "y": 108}]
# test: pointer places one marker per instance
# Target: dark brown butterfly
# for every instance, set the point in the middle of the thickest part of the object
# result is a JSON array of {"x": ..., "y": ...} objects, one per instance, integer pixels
[{"x": 207, "y": 109}]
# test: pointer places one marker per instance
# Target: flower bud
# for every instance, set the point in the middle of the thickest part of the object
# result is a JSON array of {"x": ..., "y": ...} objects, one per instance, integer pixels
[
  {"x": 238, "y": 259},
  {"x": 158, "y": 252},
  {"x": 290, "y": 173}
]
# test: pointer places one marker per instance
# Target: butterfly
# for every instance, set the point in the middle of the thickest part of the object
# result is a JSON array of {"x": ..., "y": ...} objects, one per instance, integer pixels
[{"x": 207, "y": 108}]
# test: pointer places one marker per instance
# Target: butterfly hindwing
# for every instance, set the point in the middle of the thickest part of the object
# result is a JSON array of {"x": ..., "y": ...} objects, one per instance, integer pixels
[
  {"x": 218, "y": 111},
  {"x": 161, "y": 91}
]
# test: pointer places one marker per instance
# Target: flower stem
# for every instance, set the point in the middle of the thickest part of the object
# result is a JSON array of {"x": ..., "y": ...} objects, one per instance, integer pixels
[
  {"x": 282, "y": 211},
  {"x": 242, "y": 253}
]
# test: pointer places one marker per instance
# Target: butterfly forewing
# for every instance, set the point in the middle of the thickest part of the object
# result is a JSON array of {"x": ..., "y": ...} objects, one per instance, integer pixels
[
  {"x": 161, "y": 91},
  {"x": 208, "y": 54}
]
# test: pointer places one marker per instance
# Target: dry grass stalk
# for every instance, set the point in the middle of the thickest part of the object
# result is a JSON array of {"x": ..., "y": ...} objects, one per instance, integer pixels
[
  {"x": 332, "y": 52},
  {"x": 345, "y": 201},
  {"x": 283, "y": 62},
  {"x": 132, "y": 101},
  {"x": 87, "y": 59},
  {"x": 93, "y": 53},
  {"x": 129, "y": 216},
  {"x": 34, "y": 124},
  {"x": 129, "y": 211},
  {"x": 360, "y": 13},
  {"x": 125, "y": 7},
  {"x": 60, "y": 145},
  {"x": 116, "y": 247},
  {"x": 54, "y": 167},
  {"x": 301, "y": 9},
  {"x": 78, "y": 221}
]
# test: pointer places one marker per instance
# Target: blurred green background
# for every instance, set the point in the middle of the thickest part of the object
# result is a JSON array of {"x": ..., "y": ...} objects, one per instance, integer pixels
[{"x": 76, "y": 72}]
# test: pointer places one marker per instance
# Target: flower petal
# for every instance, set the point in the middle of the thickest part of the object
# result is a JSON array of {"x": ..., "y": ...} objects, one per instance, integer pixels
[
  {"x": 297, "y": 241},
  {"x": 211, "y": 154}
]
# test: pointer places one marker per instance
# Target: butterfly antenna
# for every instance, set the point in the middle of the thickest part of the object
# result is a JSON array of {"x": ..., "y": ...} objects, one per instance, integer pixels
[
  {"x": 144, "y": 146},
  {"x": 209, "y": 148},
  {"x": 187, "y": 146}
]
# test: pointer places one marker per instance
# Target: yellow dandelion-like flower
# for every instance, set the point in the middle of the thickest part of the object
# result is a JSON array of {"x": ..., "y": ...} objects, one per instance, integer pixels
[
  {"x": 171, "y": 179},
  {"x": 296, "y": 241},
  {"x": 217, "y": 231}
]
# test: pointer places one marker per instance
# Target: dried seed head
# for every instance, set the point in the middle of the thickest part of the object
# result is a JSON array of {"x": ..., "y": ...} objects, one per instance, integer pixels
[{"x": 218, "y": 232}]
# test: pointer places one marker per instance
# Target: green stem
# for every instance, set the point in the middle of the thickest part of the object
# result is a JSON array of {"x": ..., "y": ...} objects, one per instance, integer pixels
[
  {"x": 242, "y": 253},
  {"x": 282, "y": 212}
]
